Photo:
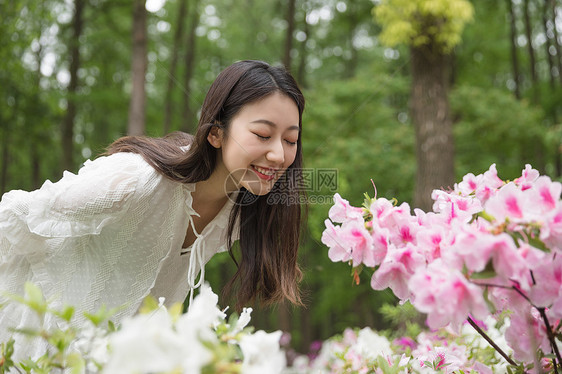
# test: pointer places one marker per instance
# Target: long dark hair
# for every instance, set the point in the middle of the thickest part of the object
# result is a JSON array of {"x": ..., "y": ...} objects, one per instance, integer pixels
[{"x": 269, "y": 228}]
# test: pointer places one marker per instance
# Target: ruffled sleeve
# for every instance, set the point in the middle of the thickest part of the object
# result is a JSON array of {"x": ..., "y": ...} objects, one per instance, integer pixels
[{"x": 77, "y": 205}]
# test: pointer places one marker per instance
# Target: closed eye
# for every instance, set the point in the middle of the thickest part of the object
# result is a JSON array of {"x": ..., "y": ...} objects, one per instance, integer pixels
[
  {"x": 290, "y": 142},
  {"x": 262, "y": 137}
]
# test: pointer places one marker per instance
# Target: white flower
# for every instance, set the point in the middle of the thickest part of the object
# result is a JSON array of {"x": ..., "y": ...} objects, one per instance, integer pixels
[
  {"x": 198, "y": 325},
  {"x": 329, "y": 355},
  {"x": 243, "y": 320},
  {"x": 370, "y": 345},
  {"x": 196, "y": 356},
  {"x": 262, "y": 353},
  {"x": 202, "y": 316},
  {"x": 145, "y": 343},
  {"x": 92, "y": 343},
  {"x": 301, "y": 363}
]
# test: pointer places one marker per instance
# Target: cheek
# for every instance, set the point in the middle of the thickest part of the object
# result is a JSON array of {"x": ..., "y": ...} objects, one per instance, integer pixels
[{"x": 290, "y": 155}]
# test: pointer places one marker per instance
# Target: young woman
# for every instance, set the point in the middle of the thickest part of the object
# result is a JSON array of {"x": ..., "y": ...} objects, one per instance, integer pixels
[{"x": 146, "y": 217}]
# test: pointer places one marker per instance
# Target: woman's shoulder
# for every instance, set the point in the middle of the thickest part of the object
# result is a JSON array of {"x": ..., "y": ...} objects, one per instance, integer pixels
[{"x": 119, "y": 160}]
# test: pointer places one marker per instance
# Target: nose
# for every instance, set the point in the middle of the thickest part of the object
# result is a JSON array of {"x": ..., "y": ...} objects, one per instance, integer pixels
[{"x": 276, "y": 153}]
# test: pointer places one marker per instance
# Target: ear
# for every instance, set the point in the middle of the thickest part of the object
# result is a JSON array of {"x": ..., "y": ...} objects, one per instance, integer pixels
[{"x": 215, "y": 137}]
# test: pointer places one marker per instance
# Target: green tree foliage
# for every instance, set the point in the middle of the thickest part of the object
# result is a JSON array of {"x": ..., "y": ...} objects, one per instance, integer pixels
[{"x": 505, "y": 133}]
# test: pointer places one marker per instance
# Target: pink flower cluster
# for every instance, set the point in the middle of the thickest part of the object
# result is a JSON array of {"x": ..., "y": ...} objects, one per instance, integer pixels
[{"x": 488, "y": 245}]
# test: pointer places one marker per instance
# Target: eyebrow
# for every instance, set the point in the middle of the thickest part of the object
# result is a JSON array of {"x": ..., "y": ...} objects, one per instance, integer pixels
[{"x": 273, "y": 124}]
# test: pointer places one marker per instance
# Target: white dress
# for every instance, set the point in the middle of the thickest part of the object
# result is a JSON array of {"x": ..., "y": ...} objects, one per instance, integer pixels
[{"x": 110, "y": 235}]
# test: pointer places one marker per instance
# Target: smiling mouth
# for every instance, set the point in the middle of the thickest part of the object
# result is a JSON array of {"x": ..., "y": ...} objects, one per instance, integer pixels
[{"x": 264, "y": 173}]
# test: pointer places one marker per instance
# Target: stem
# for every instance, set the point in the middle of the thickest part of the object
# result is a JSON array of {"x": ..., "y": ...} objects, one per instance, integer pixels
[
  {"x": 492, "y": 343},
  {"x": 524, "y": 296},
  {"x": 550, "y": 337}
]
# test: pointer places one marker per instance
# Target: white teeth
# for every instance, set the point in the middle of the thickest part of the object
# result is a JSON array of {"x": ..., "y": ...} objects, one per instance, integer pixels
[{"x": 268, "y": 172}]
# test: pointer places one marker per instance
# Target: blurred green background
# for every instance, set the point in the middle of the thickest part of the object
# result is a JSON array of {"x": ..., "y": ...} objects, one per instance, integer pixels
[{"x": 66, "y": 80}]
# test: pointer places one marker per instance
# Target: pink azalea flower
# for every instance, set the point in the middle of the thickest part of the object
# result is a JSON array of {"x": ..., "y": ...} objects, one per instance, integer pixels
[
  {"x": 361, "y": 243},
  {"x": 455, "y": 207},
  {"x": 349, "y": 336},
  {"x": 434, "y": 258},
  {"x": 406, "y": 233},
  {"x": 527, "y": 178},
  {"x": 551, "y": 231},
  {"x": 508, "y": 202},
  {"x": 469, "y": 184},
  {"x": 401, "y": 225},
  {"x": 443, "y": 358},
  {"x": 468, "y": 248},
  {"x": 544, "y": 195},
  {"x": 405, "y": 342},
  {"x": 481, "y": 368},
  {"x": 506, "y": 298},
  {"x": 476, "y": 249},
  {"x": 532, "y": 256},
  {"x": 351, "y": 241},
  {"x": 396, "y": 269},
  {"x": 489, "y": 183},
  {"x": 548, "y": 278},
  {"x": 389, "y": 216},
  {"x": 393, "y": 275},
  {"x": 526, "y": 333},
  {"x": 554, "y": 313},
  {"x": 380, "y": 237},
  {"x": 381, "y": 208},
  {"x": 507, "y": 260},
  {"x": 445, "y": 295},
  {"x": 334, "y": 238},
  {"x": 431, "y": 240},
  {"x": 342, "y": 211},
  {"x": 491, "y": 178}
]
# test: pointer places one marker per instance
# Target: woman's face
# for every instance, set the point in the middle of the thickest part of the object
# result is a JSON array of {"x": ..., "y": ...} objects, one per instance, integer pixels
[{"x": 261, "y": 144}]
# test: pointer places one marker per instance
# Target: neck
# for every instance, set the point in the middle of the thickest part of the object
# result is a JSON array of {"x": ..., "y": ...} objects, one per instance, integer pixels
[{"x": 214, "y": 190}]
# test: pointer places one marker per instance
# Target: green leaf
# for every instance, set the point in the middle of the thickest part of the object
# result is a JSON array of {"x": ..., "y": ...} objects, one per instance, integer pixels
[
  {"x": 149, "y": 305},
  {"x": 537, "y": 243},
  {"x": 101, "y": 315},
  {"x": 75, "y": 363},
  {"x": 34, "y": 298},
  {"x": 111, "y": 326},
  {"x": 66, "y": 314},
  {"x": 488, "y": 272},
  {"x": 6, "y": 352},
  {"x": 491, "y": 306}
]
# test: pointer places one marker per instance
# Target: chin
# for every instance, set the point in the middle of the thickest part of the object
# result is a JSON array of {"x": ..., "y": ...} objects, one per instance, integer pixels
[
  {"x": 259, "y": 192},
  {"x": 258, "y": 188}
]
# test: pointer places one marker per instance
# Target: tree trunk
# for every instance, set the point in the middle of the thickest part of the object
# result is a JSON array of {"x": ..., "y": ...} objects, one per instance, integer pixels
[
  {"x": 433, "y": 126},
  {"x": 32, "y": 125},
  {"x": 172, "y": 80},
  {"x": 289, "y": 34},
  {"x": 189, "y": 123},
  {"x": 531, "y": 50},
  {"x": 301, "y": 73},
  {"x": 547, "y": 44},
  {"x": 514, "y": 59},
  {"x": 68, "y": 122},
  {"x": 351, "y": 64},
  {"x": 139, "y": 64},
  {"x": 556, "y": 41}
]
